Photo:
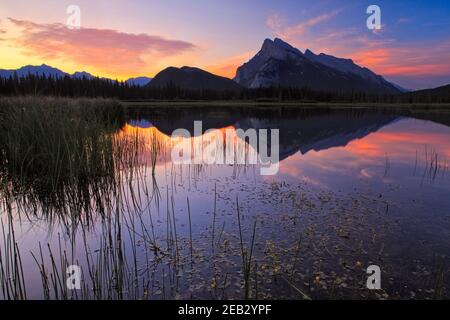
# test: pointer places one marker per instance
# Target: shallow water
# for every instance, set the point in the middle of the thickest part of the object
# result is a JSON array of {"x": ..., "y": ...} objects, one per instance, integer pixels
[{"x": 354, "y": 188}]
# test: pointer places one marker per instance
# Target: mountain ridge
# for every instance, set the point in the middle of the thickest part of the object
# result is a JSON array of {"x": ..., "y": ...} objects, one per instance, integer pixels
[
  {"x": 139, "y": 81},
  {"x": 46, "y": 70},
  {"x": 192, "y": 78},
  {"x": 280, "y": 64}
]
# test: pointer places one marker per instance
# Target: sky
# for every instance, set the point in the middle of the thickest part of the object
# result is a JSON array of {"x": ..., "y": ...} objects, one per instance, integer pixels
[{"x": 121, "y": 39}]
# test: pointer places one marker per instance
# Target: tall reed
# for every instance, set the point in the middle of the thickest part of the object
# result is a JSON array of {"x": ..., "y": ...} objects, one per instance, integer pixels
[{"x": 58, "y": 153}]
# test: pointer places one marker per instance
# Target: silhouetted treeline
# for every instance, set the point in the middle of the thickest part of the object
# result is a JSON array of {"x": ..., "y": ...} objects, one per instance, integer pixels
[
  {"x": 98, "y": 87},
  {"x": 67, "y": 87},
  {"x": 437, "y": 95}
]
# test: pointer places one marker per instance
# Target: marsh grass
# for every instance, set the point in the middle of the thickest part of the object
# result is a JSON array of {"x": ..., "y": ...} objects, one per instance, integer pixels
[
  {"x": 59, "y": 153},
  {"x": 58, "y": 139},
  {"x": 61, "y": 160},
  {"x": 439, "y": 283},
  {"x": 246, "y": 253},
  {"x": 434, "y": 165},
  {"x": 12, "y": 281}
]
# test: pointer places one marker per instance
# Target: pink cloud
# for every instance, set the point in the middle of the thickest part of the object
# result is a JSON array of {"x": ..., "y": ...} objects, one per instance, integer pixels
[
  {"x": 105, "y": 49},
  {"x": 406, "y": 60},
  {"x": 275, "y": 22}
]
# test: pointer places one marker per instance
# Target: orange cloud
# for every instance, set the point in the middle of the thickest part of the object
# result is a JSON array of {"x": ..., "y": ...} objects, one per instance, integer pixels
[
  {"x": 401, "y": 61},
  {"x": 371, "y": 58},
  {"x": 228, "y": 67},
  {"x": 104, "y": 49}
]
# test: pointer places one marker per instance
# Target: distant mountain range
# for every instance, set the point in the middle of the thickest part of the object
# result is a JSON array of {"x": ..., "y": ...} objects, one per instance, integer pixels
[
  {"x": 276, "y": 64},
  {"x": 45, "y": 70},
  {"x": 42, "y": 70},
  {"x": 193, "y": 79},
  {"x": 139, "y": 81},
  {"x": 280, "y": 64}
]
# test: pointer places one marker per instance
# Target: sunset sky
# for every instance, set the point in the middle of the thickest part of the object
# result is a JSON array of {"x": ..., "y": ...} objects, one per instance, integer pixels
[{"x": 122, "y": 39}]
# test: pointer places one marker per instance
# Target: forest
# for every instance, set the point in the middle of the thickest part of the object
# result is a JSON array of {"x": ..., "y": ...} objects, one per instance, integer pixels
[{"x": 106, "y": 88}]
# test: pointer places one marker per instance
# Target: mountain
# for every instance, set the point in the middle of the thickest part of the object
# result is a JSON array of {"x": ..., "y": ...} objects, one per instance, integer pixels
[
  {"x": 400, "y": 88},
  {"x": 439, "y": 95},
  {"x": 443, "y": 90},
  {"x": 343, "y": 65},
  {"x": 35, "y": 70},
  {"x": 48, "y": 71},
  {"x": 139, "y": 81},
  {"x": 191, "y": 78},
  {"x": 43, "y": 70},
  {"x": 348, "y": 66},
  {"x": 280, "y": 64},
  {"x": 81, "y": 75}
]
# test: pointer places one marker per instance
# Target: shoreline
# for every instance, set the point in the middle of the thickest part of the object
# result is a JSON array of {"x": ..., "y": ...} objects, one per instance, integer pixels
[{"x": 283, "y": 104}]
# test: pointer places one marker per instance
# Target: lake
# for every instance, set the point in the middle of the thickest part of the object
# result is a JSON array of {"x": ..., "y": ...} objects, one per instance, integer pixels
[{"x": 355, "y": 187}]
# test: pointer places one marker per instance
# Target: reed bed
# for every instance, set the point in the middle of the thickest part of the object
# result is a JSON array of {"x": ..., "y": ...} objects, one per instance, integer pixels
[
  {"x": 59, "y": 152},
  {"x": 65, "y": 161}
]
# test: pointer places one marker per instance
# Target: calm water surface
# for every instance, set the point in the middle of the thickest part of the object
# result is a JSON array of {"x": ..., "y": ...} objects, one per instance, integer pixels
[{"x": 354, "y": 188}]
